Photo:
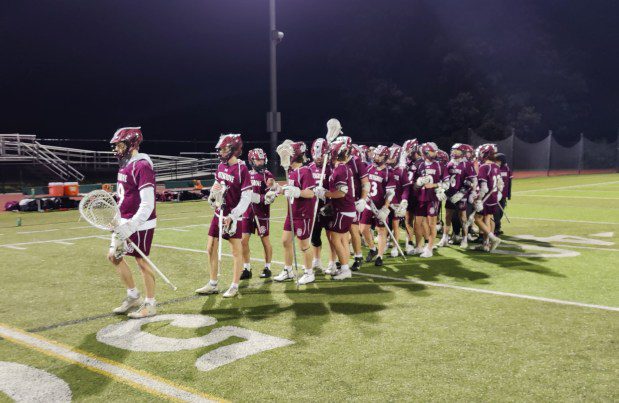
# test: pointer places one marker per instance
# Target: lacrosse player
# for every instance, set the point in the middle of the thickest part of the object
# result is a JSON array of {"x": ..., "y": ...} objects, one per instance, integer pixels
[
  {"x": 457, "y": 192},
  {"x": 136, "y": 201},
  {"x": 361, "y": 188},
  {"x": 507, "y": 177},
  {"x": 399, "y": 204},
  {"x": 231, "y": 195},
  {"x": 300, "y": 193},
  {"x": 381, "y": 194},
  {"x": 409, "y": 157},
  {"x": 319, "y": 152},
  {"x": 257, "y": 216},
  {"x": 490, "y": 193},
  {"x": 341, "y": 205},
  {"x": 429, "y": 182},
  {"x": 470, "y": 186}
]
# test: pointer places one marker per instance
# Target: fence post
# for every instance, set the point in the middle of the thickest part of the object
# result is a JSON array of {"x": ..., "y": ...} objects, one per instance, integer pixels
[
  {"x": 549, "y": 152},
  {"x": 617, "y": 152},
  {"x": 581, "y": 153},
  {"x": 513, "y": 137}
]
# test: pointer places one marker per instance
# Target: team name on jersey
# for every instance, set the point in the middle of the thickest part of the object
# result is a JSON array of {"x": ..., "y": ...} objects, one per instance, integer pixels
[
  {"x": 375, "y": 178},
  {"x": 503, "y": 173},
  {"x": 255, "y": 182},
  {"x": 122, "y": 177},
  {"x": 456, "y": 170},
  {"x": 430, "y": 171},
  {"x": 316, "y": 175},
  {"x": 225, "y": 176}
]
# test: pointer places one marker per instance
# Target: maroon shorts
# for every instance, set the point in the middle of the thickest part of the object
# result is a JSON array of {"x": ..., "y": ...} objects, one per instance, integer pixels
[
  {"x": 302, "y": 227},
  {"x": 214, "y": 229},
  {"x": 426, "y": 209},
  {"x": 460, "y": 206},
  {"x": 489, "y": 210},
  {"x": 341, "y": 223},
  {"x": 249, "y": 225},
  {"x": 143, "y": 240},
  {"x": 368, "y": 218}
]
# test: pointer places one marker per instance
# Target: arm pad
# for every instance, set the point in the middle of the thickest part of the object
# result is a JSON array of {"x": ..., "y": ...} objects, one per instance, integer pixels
[
  {"x": 240, "y": 208},
  {"x": 147, "y": 205}
]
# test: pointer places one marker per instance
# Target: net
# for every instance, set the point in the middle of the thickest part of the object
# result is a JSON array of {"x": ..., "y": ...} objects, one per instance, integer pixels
[
  {"x": 562, "y": 158},
  {"x": 100, "y": 210}
]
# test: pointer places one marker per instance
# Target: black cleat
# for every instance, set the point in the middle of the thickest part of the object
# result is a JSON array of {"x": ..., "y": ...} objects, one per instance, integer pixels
[
  {"x": 378, "y": 261},
  {"x": 266, "y": 273},
  {"x": 357, "y": 264},
  {"x": 371, "y": 255},
  {"x": 246, "y": 275}
]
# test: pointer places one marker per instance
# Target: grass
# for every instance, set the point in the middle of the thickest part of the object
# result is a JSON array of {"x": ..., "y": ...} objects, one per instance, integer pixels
[{"x": 370, "y": 338}]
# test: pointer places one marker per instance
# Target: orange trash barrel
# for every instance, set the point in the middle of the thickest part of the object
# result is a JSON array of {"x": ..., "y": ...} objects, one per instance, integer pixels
[
  {"x": 71, "y": 189},
  {"x": 56, "y": 189}
]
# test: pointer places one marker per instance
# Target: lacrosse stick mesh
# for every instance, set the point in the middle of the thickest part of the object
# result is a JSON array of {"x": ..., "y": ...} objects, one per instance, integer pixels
[
  {"x": 285, "y": 152},
  {"x": 99, "y": 208}
]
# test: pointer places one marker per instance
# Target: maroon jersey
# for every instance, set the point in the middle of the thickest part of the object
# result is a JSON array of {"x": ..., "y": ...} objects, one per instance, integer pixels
[
  {"x": 138, "y": 174},
  {"x": 507, "y": 176},
  {"x": 401, "y": 182},
  {"x": 259, "y": 186},
  {"x": 457, "y": 171},
  {"x": 359, "y": 171},
  {"x": 434, "y": 170},
  {"x": 236, "y": 179},
  {"x": 316, "y": 172},
  {"x": 342, "y": 175},
  {"x": 303, "y": 179},
  {"x": 380, "y": 179},
  {"x": 489, "y": 173}
]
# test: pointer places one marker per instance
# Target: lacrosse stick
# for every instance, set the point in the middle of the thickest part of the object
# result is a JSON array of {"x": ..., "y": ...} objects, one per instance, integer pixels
[
  {"x": 334, "y": 129},
  {"x": 504, "y": 213},
  {"x": 375, "y": 212},
  {"x": 101, "y": 211},
  {"x": 284, "y": 151},
  {"x": 471, "y": 217},
  {"x": 220, "y": 223}
]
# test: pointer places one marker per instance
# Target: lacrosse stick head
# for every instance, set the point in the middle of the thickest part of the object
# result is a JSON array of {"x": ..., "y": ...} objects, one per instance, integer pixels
[
  {"x": 99, "y": 209},
  {"x": 285, "y": 152},
  {"x": 334, "y": 129}
]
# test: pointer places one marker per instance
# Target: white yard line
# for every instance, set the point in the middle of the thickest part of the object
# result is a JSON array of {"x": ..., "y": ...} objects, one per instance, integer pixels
[
  {"x": 111, "y": 369},
  {"x": 64, "y": 243},
  {"x": 571, "y": 197},
  {"x": 13, "y": 247},
  {"x": 585, "y": 247},
  {"x": 441, "y": 285},
  {"x": 565, "y": 187},
  {"x": 561, "y": 220}
]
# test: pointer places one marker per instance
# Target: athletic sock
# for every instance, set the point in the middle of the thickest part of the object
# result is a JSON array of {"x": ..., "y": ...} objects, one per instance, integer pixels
[
  {"x": 358, "y": 255},
  {"x": 288, "y": 268},
  {"x": 246, "y": 266},
  {"x": 213, "y": 283},
  {"x": 315, "y": 262},
  {"x": 267, "y": 266},
  {"x": 373, "y": 249},
  {"x": 132, "y": 293},
  {"x": 234, "y": 285},
  {"x": 149, "y": 301},
  {"x": 344, "y": 267}
]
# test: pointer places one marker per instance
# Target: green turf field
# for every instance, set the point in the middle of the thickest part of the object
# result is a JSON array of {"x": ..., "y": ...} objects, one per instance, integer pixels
[{"x": 537, "y": 321}]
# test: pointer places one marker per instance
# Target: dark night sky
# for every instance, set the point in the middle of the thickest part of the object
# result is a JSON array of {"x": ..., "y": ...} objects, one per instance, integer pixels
[{"x": 192, "y": 69}]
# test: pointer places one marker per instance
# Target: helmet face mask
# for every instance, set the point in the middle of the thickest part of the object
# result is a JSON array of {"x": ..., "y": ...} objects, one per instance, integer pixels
[
  {"x": 257, "y": 159},
  {"x": 381, "y": 153},
  {"x": 125, "y": 141},
  {"x": 228, "y": 146},
  {"x": 429, "y": 150},
  {"x": 339, "y": 151},
  {"x": 319, "y": 149}
]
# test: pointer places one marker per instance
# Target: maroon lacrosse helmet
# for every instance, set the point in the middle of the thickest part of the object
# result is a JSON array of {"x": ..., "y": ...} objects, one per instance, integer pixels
[
  {"x": 339, "y": 149},
  {"x": 486, "y": 151},
  {"x": 394, "y": 153},
  {"x": 298, "y": 152},
  {"x": 428, "y": 148},
  {"x": 381, "y": 153},
  {"x": 255, "y": 155},
  {"x": 456, "y": 151},
  {"x": 231, "y": 144},
  {"x": 319, "y": 148},
  {"x": 410, "y": 147},
  {"x": 442, "y": 157},
  {"x": 346, "y": 139},
  {"x": 131, "y": 136}
]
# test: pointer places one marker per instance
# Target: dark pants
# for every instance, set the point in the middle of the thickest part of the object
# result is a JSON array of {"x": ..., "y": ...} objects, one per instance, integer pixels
[{"x": 498, "y": 215}]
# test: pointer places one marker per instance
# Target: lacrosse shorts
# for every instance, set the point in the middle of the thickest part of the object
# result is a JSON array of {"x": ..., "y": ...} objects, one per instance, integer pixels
[
  {"x": 426, "y": 209},
  {"x": 249, "y": 225},
  {"x": 342, "y": 222},
  {"x": 460, "y": 206},
  {"x": 143, "y": 240},
  {"x": 302, "y": 227},
  {"x": 213, "y": 230},
  {"x": 489, "y": 210},
  {"x": 368, "y": 218}
]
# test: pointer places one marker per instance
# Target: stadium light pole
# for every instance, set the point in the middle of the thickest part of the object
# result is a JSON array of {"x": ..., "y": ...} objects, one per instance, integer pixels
[{"x": 274, "y": 121}]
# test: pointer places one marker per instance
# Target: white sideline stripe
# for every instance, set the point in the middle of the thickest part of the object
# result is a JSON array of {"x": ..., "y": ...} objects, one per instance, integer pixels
[
  {"x": 573, "y": 197},
  {"x": 442, "y": 285},
  {"x": 178, "y": 229},
  {"x": 64, "y": 243},
  {"x": 13, "y": 247},
  {"x": 38, "y": 231},
  {"x": 108, "y": 368},
  {"x": 560, "y": 220},
  {"x": 566, "y": 187}
]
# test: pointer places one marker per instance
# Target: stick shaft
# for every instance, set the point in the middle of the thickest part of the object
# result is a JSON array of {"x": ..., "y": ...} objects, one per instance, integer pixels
[
  {"x": 375, "y": 211},
  {"x": 152, "y": 265}
]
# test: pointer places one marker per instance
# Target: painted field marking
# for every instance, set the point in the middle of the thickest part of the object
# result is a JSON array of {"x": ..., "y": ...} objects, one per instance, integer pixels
[
  {"x": 14, "y": 247},
  {"x": 64, "y": 243},
  {"x": 560, "y": 220},
  {"x": 573, "y": 197},
  {"x": 441, "y": 285},
  {"x": 38, "y": 231},
  {"x": 565, "y": 187},
  {"x": 138, "y": 379},
  {"x": 587, "y": 247},
  {"x": 604, "y": 234}
]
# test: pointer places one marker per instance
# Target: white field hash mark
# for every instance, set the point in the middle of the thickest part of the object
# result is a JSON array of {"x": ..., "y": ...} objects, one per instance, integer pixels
[
  {"x": 441, "y": 285},
  {"x": 521, "y": 192}
]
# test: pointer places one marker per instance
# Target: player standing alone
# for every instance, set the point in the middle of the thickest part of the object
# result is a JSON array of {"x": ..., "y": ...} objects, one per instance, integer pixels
[{"x": 136, "y": 201}]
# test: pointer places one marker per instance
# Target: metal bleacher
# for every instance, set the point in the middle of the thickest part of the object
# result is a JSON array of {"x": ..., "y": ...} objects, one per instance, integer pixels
[{"x": 65, "y": 163}]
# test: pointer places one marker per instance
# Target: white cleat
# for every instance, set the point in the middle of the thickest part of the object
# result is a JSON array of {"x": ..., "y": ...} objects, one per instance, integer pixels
[
  {"x": 307, "y": 277},
  {"x": 342, "y": 274},
  {"x": 410, "y": 249},
  {"x": 418, "y": 251},
  {"x": 426, "y": 253},
  {"x": 443, "y": 242},
  {"x": 208, "y": 289},
  {"x": 284, "y": 275},
  {"x": 330, "y": 270},
  {"x": 464, "y": 244},
  {"x": 231, "y": 292},
  {"x": 494, "y": 242},
  {"x": 144, "y": 311},
  {"x": 127, "y": 305},
  {"x": 394, "y": 252}
]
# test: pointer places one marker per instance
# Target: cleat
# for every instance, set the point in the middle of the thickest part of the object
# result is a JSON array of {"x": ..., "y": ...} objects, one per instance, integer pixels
[
  {"x": 464, "y": 244},
  {"x": 394, "y": 252},
  {"x": 409, "y": 249},
  {"x": 307, "y": 277},
  {"x": 127, "y": 305},
  {"x": 443, "y": 242},
  {"x": 378, "y": 261},
  {"x": 331, "y": 269},
  {"x": 342, "y": 274},
  {"x": 284, "y": 275},
  {"x": 266, "y": 273},
  {"x": 246, "y": 274},
  {"x": 419, "y": 251},
  {"x": 494, "y": 242},
  {"x": 371, "y": 255},
  {"x": 144, "y": 311},
  {"x": 357, "y": 264},
  {"x": 426, "y": 253},
  {"x": 208, "y": 289},
  {"x": 231, "y": 292}
]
